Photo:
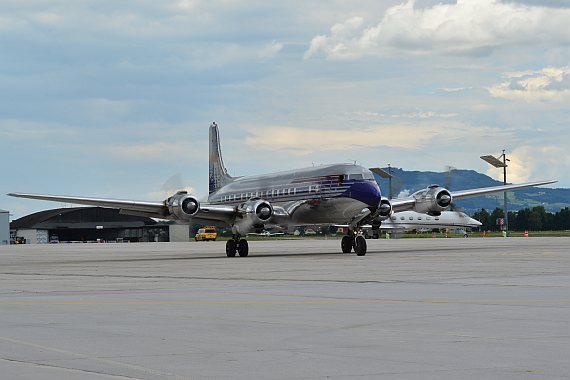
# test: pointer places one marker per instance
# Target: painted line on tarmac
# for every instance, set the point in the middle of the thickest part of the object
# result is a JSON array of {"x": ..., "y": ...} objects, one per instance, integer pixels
[
  {"x": 110, "y": 363},
  {"x": 283, "y": 303}
]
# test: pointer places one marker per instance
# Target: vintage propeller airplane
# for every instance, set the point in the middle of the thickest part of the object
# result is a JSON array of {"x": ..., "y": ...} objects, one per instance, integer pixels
[{"x": 327, "y": 194}]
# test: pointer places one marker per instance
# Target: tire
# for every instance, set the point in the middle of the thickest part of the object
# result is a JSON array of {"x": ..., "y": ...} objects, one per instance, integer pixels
[
  {"x": 346, "y": 244},
  {"x": 243, "y": 248},
  {"x": 231, "y": 248},
  {"x": 360, "y": 245}
]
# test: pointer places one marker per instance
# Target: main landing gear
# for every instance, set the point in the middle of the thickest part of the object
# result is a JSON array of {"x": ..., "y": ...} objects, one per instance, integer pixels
[
  {"x": 355, "y": 241},
  {"x": 237, "y": 244}
]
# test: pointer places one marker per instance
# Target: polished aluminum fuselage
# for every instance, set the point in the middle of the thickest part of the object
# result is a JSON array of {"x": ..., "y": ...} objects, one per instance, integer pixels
[{"x": 325, "y": 194}]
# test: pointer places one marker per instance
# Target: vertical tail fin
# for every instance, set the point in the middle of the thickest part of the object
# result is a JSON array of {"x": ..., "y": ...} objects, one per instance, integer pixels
[{"x": 218, "y": 175}]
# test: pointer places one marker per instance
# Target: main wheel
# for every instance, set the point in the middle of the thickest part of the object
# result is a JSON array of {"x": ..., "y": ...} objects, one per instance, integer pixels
[
  {"x": 231, "y": 248},
  {"x": 243, "y": 248},
  {"x": 346, "y": 244},
  {"x": 360, "y": 245}
]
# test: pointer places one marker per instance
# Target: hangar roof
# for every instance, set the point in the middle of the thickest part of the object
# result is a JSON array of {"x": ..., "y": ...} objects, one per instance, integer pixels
[{"x": 80, "y": 217}]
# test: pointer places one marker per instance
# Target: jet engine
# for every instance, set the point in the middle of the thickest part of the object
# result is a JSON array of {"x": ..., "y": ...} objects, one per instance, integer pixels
[
  {"x": 182, "y": 205},
  {"x": 433, "y": 200},
  {"x": 254, "y": 215}
]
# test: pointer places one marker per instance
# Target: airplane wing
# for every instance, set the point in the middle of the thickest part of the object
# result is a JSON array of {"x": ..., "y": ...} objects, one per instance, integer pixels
[
  {"x": 409, "y": 203},
  {"x": 470, "y": 193},
  {"x": 205, "y": 212}
]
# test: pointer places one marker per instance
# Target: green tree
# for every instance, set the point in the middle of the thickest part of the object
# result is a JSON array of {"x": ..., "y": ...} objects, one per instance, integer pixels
[
  {"x": 537, "y": 218},
  {"x": 485, "y": 219},
  {"x": 495, "y": 215}
]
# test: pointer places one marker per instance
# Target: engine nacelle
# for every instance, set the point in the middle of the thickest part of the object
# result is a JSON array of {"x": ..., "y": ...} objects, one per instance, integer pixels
[
  {"x": 433, "y": 200},
  {"x": 182, "y": 205},
  {"x": 254, "y": 215},
  {"x": 384, "y": 209}
]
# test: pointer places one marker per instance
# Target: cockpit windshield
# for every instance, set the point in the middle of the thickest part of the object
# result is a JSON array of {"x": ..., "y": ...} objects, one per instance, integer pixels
[
  {"x": 361, "y": 176},
  {"x": 355, "y": 176}
]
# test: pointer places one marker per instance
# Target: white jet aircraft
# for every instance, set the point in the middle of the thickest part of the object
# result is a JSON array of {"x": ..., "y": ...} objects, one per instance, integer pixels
[
  {"x": 321, "y": 195},
  {"x": 411, "y": 220}
]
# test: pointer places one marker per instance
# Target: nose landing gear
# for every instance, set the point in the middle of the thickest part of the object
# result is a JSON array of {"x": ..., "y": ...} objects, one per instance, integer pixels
[
  {"x": 235, "y": 244},
  {"x": 352, "y": 240}
]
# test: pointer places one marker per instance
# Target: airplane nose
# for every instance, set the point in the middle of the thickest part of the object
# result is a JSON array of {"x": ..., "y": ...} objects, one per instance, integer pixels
[{"x": 366, "y": 192}]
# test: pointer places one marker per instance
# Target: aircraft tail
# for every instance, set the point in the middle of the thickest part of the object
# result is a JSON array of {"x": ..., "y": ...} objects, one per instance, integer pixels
[{"x": 218, "y": 175}]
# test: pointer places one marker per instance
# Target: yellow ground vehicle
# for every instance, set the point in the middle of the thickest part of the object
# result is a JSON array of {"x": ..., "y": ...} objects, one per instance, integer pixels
[{"x": 206, "y": 233}]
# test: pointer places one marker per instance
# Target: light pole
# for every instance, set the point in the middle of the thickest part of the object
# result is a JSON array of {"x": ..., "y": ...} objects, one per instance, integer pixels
[
  {"x": 390, "y": 180},
  {"x": 496, "y": 162}
]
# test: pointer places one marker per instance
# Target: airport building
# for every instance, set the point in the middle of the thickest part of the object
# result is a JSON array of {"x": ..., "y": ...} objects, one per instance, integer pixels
[
  {"x": 4, "y": 227},
  {"x": 93, "y": 224}
]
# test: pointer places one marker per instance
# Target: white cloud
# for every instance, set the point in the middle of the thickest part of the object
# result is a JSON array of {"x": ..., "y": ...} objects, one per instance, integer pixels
[
  {"x": 165, "y": 151},
  {"x": 467, "y": 27},
  {"x": 368, "y": 116},
  {"x": 532, "y": 163},
  {"x": 304, "y": 141},
  {"x": 270, "y": 50},
  {"x": 455, "y": 89},
  {"x": 548, "y": 84}
]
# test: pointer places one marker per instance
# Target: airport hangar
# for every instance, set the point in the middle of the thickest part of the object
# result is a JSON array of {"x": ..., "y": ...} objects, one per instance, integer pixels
[
  {"x": 4, "y": 227},
  {"x": 93, "y": 224}
]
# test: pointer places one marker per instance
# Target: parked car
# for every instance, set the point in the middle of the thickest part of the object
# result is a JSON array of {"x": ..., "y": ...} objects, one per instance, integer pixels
[{"x": 206, "y": 233}]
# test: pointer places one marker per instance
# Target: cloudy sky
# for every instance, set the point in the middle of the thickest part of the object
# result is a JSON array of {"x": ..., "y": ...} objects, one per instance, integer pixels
[{"x": 114, "y": 98}]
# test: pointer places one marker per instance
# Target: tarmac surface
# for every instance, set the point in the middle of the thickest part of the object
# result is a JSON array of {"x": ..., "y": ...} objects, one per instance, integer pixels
[{"x": 410, "y": 309}]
